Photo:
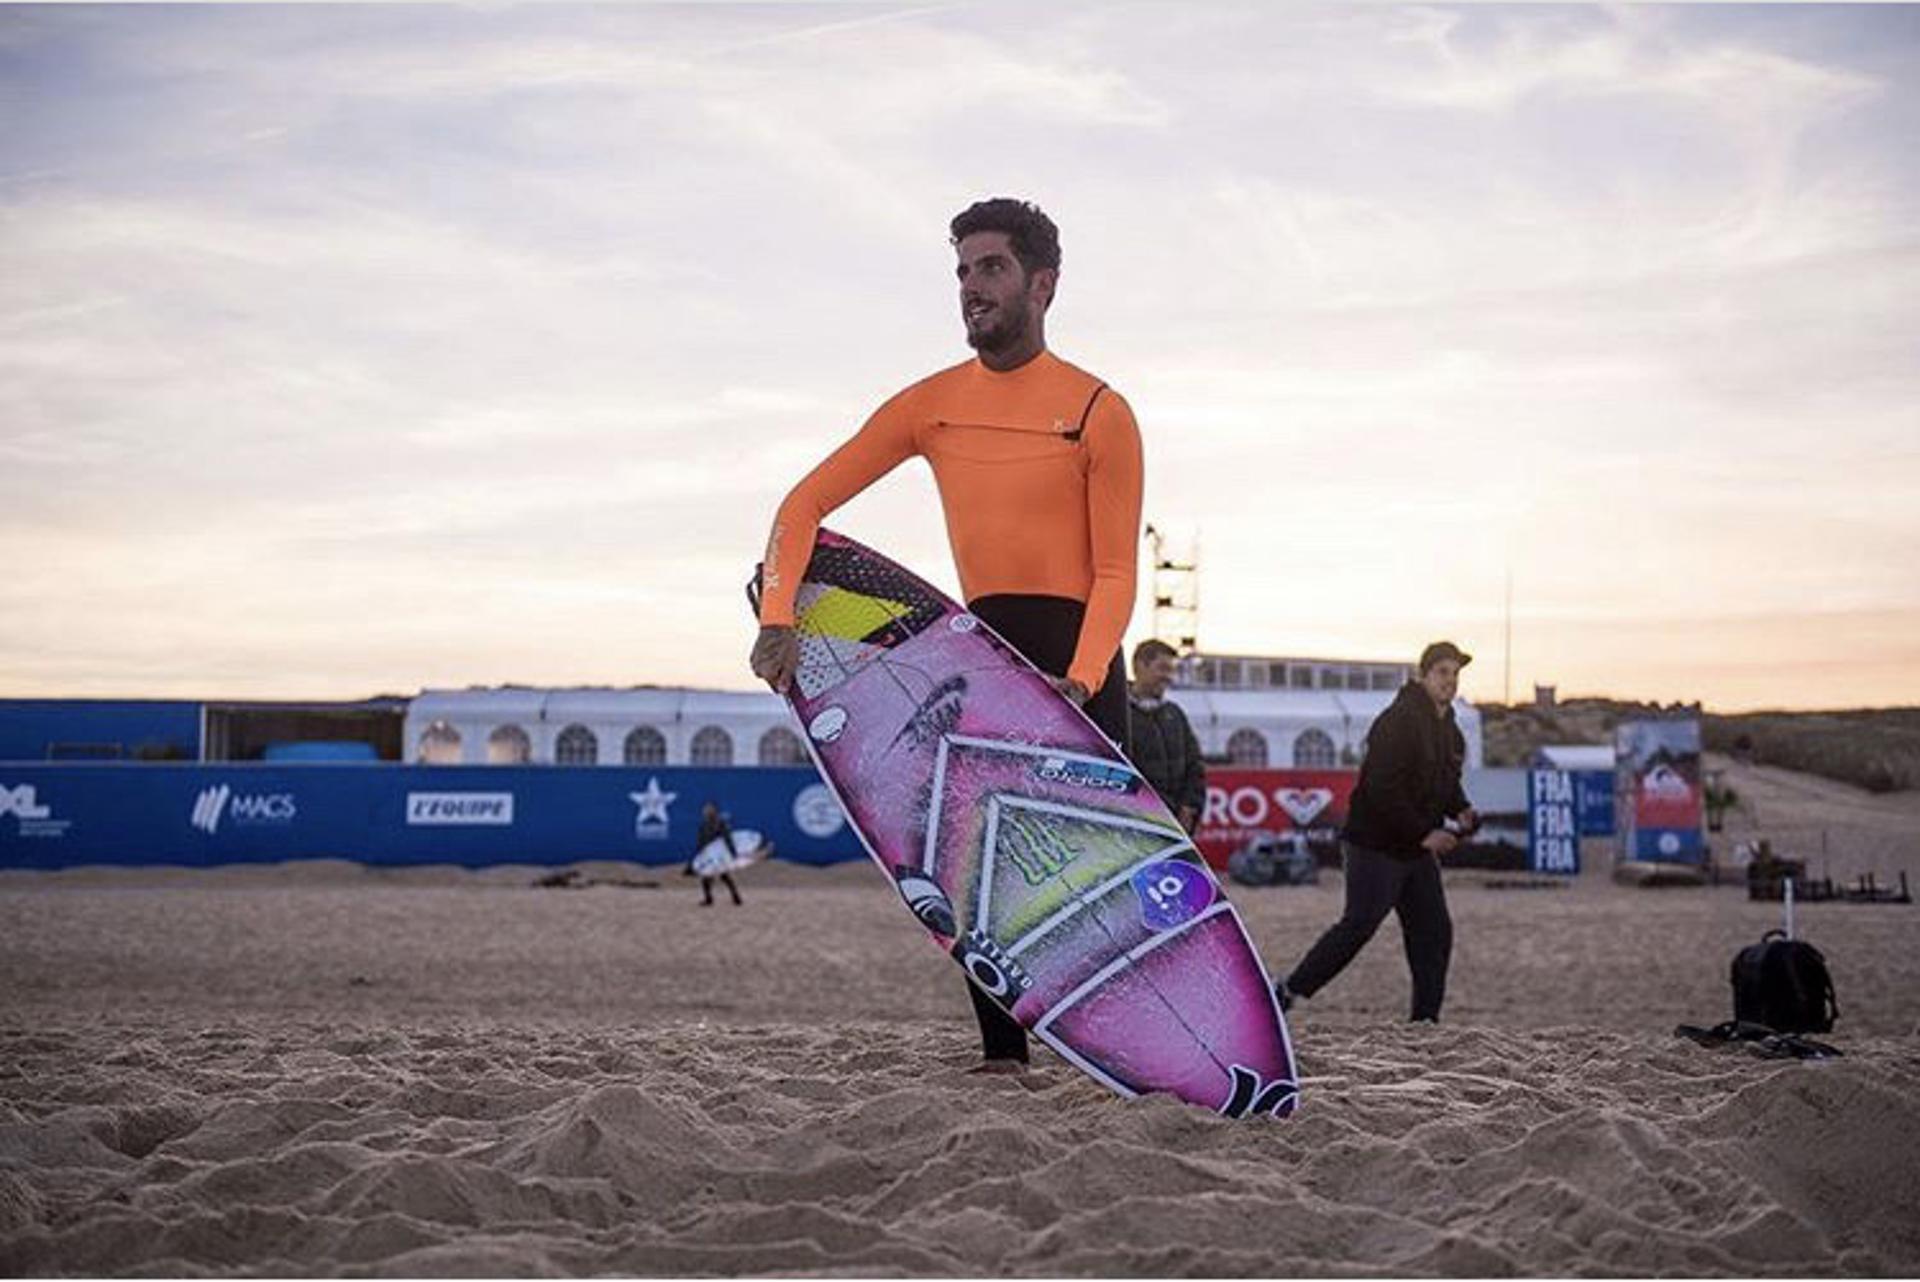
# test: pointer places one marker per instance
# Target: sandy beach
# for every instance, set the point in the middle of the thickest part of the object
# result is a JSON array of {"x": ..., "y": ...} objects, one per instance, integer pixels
[{"x": 321, "y": 1069}]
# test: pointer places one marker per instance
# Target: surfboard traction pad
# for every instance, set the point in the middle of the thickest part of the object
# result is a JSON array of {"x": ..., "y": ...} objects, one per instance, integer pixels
[{"x": 1027, "y": 845}]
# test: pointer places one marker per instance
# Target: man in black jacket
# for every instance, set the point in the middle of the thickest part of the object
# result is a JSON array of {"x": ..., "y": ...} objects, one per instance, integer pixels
[
  {"x": 1406, "y": 813},
  {"x": 1165, "y": 751}
]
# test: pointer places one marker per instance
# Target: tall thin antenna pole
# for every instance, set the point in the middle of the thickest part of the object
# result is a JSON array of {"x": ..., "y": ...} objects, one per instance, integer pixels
[
  {"x": 1507, "y": 673},
  {"x": 1193, "y": 629}
]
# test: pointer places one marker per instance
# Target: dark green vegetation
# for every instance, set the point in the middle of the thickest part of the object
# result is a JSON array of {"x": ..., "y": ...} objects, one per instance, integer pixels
[{"x": 1873, "y": 748}]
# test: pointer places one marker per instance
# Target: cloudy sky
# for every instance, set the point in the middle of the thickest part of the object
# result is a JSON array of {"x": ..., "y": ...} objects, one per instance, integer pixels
[{"x": 371, "y": 348}]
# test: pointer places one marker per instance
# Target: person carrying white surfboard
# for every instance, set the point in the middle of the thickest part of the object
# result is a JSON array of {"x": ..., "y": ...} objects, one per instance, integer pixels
[
  {"x": 1407, "y": 812},
  {"x": 714, "y": 827},
  {"x": 1038, "y": 466}
]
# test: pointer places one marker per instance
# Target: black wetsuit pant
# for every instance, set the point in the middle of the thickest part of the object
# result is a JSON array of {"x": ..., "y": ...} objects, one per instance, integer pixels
[
  {"x": 706, "y": 888},
  {"x": 1377, "y": 884},
  {"x": 1046, "y": 629}
]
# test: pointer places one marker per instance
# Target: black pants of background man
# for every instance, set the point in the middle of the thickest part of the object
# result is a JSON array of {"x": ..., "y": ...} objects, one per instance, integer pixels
[
  {"x": 1376, "y": 885},
  {"x": 1046, "y": 629}
]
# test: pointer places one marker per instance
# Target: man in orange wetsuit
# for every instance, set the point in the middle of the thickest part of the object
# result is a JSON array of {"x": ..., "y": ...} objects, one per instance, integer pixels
[{"x": 1039, "y": 471}]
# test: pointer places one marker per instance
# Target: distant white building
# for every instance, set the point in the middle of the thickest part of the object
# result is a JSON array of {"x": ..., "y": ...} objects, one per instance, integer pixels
[
  {"x": 1276, "y": 672},
  {"x": 675, "y": 726},
  {"x": 650, "y": 726},
  {"x": 1309, "y": 729},
  {"x": 1277, "y": 710}
]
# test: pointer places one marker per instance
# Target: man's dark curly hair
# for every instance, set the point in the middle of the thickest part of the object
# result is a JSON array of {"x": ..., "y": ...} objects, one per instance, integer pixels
[{"x": 1032, "y": 235}]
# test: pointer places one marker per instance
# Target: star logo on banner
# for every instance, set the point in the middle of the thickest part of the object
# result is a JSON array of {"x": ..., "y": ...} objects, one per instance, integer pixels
[{"x": 651, "y": 818}]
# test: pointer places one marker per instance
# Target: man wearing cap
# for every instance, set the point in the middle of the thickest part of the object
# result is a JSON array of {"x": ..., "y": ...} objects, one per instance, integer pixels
[{"x": 1407, "y": 812}]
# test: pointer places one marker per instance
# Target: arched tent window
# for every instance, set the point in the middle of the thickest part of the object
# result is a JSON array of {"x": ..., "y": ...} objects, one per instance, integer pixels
[
  {"x": 1247, "y": 748},
  {"x": 509, "y": 746},
  {"x": 439, "y": 745},
  {"x": 576, "y": 746},
  {"x": 645, "y": 746},
  {"x": 712, "y": 746},
  {"x": 782, "y": 747},
  {"x": 1314, "y": 748}
]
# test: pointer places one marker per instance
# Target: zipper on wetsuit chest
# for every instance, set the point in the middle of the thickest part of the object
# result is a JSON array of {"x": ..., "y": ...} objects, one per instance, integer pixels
[{"x": 1068, "y": 433}]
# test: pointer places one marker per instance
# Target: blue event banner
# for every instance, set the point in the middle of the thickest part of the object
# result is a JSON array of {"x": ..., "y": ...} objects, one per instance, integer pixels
[
  {"x": 1553, "y": 826},
  {"x": 58, "y": 816},
  {"x": 1594, "y": 792}
]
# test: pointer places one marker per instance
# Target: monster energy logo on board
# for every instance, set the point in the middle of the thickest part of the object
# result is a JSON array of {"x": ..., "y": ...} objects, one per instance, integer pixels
[{"x": 1036, "y": 846}]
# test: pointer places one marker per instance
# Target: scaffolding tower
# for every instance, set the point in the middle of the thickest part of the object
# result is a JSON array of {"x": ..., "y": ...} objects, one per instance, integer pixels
[{"x": 1176, "y": 591}]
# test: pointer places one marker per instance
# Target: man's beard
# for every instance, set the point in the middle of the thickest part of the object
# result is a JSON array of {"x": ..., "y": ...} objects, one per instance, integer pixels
[{"x": 1009, "y": 325}]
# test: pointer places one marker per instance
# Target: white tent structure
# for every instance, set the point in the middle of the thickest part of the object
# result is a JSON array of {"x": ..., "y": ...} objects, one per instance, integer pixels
[
  {"x": 677, "y": 726},
  {"x": 651, "y": 726},
  {"x": 1575, "y": 756}
]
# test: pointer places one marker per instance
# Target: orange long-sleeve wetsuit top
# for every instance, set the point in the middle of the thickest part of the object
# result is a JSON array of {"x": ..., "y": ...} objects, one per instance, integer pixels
[{"x": 1030, "y": 509}]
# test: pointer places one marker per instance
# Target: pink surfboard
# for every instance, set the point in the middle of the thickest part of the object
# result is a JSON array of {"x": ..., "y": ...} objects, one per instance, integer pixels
[{"x": 1028, "y": 847}]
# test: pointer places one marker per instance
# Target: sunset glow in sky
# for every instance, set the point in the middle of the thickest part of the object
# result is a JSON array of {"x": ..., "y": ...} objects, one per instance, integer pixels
[{"x": 362, "y": 348}]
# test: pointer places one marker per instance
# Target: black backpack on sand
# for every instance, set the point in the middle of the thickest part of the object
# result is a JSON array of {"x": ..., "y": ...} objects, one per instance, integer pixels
[{"x": 1783, "y": 984}]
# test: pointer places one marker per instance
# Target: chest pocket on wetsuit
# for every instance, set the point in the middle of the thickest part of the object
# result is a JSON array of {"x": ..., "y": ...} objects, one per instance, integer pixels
[
  {"x": 1003, "y": 443},
  {"x": 986, "y": 441}
]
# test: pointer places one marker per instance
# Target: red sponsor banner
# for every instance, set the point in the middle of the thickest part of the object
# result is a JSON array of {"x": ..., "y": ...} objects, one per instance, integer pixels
[
  {"x": 1245, "y": 803},
  {"x": 1663, "y": 797}
]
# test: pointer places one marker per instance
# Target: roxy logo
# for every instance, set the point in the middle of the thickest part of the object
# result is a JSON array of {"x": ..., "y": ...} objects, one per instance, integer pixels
[
  {"x": 463, "y": 809},
  {"x": 1250, "y": 807},
  {"x": 221, "y": 802},
  {"x": 1302, "y": 804}
]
